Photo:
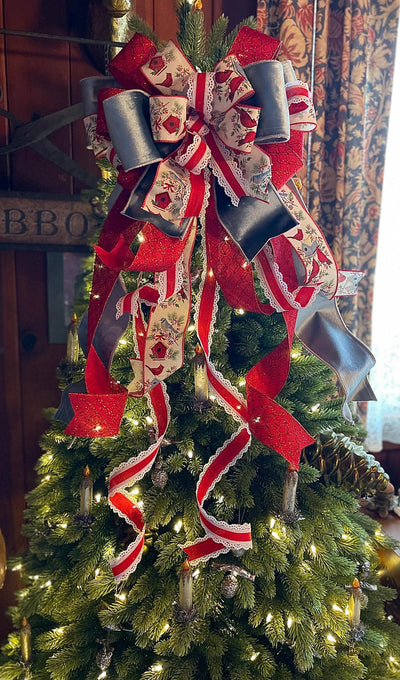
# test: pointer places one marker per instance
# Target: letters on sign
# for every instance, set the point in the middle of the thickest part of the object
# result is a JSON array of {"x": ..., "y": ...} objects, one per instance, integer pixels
[{"x": 44, "y": 221}]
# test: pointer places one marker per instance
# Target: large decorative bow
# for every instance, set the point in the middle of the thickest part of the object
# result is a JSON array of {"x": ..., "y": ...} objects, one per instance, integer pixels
[{"x": 168, "y": 131}]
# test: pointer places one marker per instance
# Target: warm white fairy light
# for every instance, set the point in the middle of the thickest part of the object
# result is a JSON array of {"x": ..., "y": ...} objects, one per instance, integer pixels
[
  {"x": 17, "y": 567},
  {"x": 135, "y": 491},
  {"x": 240, "y": 311},
  {"x": 269, "y": 617},
  {"x": 275, "y": 534},
  {"x": 166, "y": 627},
  {"x": 336, "y": 608},
  {"x": 345, "y": 537},
  {"x": 220, "y": 499},
  {"x": 191, "y": 328},
  {"x": 390, "y": 617},
  {"x": 245, "y": 264},
  {"x": 96, "y": 296},
  {"x": 63, "y": 525},
  {"x": 97, "y": 497},
  {"x": 213, "y": 397},
  {"x": 102, "y": 675},
  {"x": 47, "y": 478},
  {"x": 123, "y": 341},
  {"x": 140, "y": 238},
  {"x": 98, "y": 428},
  {"x": 121, "y": 596},
  {"x": 149, "y": 420},
  {"x": 272, "y": 522},
  {"x": 178, "y": 526},
  {"x": 313, "y": 549},
  {"x": 135, "y": 423},
  {"x": 59, "y": 631},
  {"x": 190, "y": 453},
  {"x": 47, "y": 584},
  {"x": 140, "y": 504},
  {"x": 242, "y": 382},
  {"x": 315, "y": 407},
  {"x": 210, "y": 273},
  {"x": 289, "y": 622},
  {"x": 294, "y": 355},
  {"x": 97, "y": 571},
  {"x": 196, "y": 573},
  {"x": 347, "y": 611},
  {"x": 157, "y": 667},
  {"x": 330, "y": 638},
  {"x": 254, "y": 656}
]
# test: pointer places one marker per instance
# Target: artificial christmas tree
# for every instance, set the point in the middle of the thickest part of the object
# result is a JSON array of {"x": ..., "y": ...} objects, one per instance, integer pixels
[{"x": 269, "y": 589}]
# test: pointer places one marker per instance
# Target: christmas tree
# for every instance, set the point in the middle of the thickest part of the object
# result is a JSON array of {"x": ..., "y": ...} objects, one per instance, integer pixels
[{"x": 280, "y": 561}]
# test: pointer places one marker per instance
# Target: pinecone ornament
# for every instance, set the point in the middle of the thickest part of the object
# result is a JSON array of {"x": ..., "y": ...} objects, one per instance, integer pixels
[
  {"x": 158, "y": 475},
  {"x": 229, "y": 585},
  {"x": 103, "y": 658},
  {"x": 344, "y": 463}
]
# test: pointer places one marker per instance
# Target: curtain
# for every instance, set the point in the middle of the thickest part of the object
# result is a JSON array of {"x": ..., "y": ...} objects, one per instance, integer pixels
[
  {"x": 383, "y": 421},
  {"x": 345, "y": 50}
]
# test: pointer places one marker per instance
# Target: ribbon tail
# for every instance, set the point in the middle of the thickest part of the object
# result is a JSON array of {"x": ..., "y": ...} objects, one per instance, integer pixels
[
  {"x": 269, "y": 421},
  {"x": 321, "y": 329}
]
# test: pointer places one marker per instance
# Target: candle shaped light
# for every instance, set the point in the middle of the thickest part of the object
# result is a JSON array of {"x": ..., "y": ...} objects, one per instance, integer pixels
[
  {"x": 186, "y": 587},
  {"x": 73, "y": 341},
  {"x": 289, "y": 490},
  {"x": 200, "y": 375},
  {"x": 356, "y": 596},
  {"x": 86, "y": 492},
  {"x": 25, "y": 640}
]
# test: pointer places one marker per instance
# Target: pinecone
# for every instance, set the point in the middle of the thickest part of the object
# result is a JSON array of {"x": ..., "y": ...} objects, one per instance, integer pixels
[
  {"x": 344, "y": 463},
  {"x": 229, "y": 585},
  {"x": 158, "y": 475}
]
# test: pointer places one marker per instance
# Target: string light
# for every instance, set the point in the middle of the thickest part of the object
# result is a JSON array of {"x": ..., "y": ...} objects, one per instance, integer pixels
[
  {"x": 336, "y": 608},
  {"x": 269, "y": 617},
  {"x": 275, "y": 535},
  {"x": 157, "y": 667},
  {"x": 190, "y": 453},
  {"x": 294, "y": 355},
  {"x": 242, "y": 382},
  {"x": 149, "y": 420},
  {"x": 121, "y": 596},
  {"x": 102, "y": 675},
  {"x": 46, "y": 479},
  {"x": 240, "y": 311},
  {"x": 313, "y": 549},
  {"x": 123, "y": 342},
  {"x": 178, "y": 526},
  {"x": 196, "y": 573},
  {"x": 213, "y": 397},
  {"x": 135, "y": 422},
  {"x": 97, "y": 571},
  {"x": 17, "y": 567},
  {"x": 191, "y": 328},
  {"x": 166, "y": 627},
  {"x": 98, "y": 428},
  {"x": 254, "y": 656},
  {"x": 140, "y": 238},
  {"x": 210, "y": 273},
  {"x": 345, "y": 537},
  {"x": 315, "y": 407},
  {"x": 64, "y": 525},
  {"x": 97, "y": 497},
  {"x": 330, "y": 638},
  {"x": 135, "y": 491},
  {"x": 272, "y": 522},
  {"x": 289, "y": 622}
]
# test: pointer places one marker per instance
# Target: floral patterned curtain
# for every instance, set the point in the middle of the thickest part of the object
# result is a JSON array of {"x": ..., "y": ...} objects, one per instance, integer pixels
[{"x": 345, "y": 49}]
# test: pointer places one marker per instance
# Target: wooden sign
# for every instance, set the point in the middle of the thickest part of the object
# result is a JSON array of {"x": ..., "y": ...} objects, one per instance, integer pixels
[{"x": 36, "y": 221}]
